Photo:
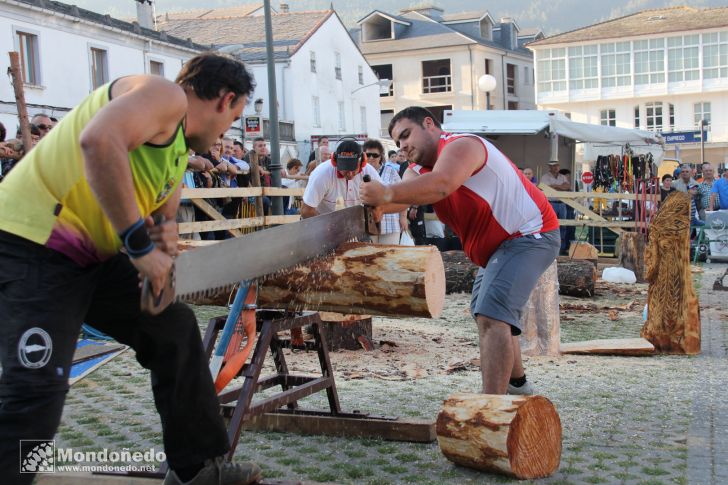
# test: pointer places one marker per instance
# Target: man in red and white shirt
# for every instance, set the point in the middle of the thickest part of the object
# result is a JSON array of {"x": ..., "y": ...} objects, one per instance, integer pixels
[{"x": 505, "y": 224}]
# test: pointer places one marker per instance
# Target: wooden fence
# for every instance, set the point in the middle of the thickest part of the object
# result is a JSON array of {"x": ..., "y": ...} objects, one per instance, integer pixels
[{"x": 236, "y": 227}]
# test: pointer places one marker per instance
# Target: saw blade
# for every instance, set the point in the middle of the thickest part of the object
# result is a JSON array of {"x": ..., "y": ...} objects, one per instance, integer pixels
[{"x": 210, "y": 269}]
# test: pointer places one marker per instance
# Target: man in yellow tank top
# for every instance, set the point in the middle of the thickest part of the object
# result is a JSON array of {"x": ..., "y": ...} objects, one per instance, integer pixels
[{"x": 76, "y": 230}]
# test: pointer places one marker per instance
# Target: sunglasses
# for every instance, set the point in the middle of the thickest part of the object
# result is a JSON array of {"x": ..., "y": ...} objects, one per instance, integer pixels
[
  {"x": 44, "y": 127},
  {"x": 373, "y": 155}
]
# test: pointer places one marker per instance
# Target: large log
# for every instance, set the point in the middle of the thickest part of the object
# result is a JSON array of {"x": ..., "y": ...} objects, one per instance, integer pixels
[
  {"x": 576, "y": 277},
  {"x": 632, "y": 253},
  {"x": 517, "y": 436},
  {"x": 673, "y": 315},
  {"x": 541, "y": 320},
  {"x": 362, "y": 278}
]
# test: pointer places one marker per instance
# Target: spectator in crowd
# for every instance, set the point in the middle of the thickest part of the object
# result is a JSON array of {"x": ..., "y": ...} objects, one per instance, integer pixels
[
  {"x": 260, "y": 148},
  {"x": 43, "y": 122},
  {"x": 323, "y": 142},
  {"x": 12, "y": 151},
  {"x": 667, "y": 187},
  {"x": 392, "y": 157},
  {"x": 560, "y": 182},
  {"x": 694, "y": 201},
  {"x": 685, "y": 179},
  {"x": 186, "y": 210},
  {"x": 292, "y": 179},
  {"x": 704, "y": 189},
  {"x": 528, "y": 173},
  {"x": 342, "y": 179},
  {"x": 238, "y": 158},
  {"x": 3, "y": 132},
  {"x": 570, "y": 231},
  {"x": 719, "y": 193},
  {"x": 403, "y": 162},
  {"x": 391, "y": 225}
]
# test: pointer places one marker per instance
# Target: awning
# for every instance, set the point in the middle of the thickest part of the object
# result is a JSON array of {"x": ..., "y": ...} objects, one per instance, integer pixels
[{"x": 532, "y": 122}]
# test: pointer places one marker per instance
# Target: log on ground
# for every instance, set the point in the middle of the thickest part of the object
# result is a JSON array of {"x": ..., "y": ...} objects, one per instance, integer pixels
[
  {"x": 576, "y": 277},
  {"x": 350, "y": 332},
  {"x": 632, "y": 253},
  {"x": 361, "y": 278},
  {"x": 517, "y": 436}
]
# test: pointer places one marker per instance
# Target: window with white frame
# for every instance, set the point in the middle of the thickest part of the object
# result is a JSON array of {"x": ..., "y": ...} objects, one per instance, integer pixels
[
  {"x": 637, "y": 116},
  {"x": 342, "y": 117},
  {"x": 312, "y": 55},
  {"x": 653, "y": 116},
  {"x": 337, "y": 68},
  {"x": 363, "y": 118},
  {"x": 715, "y": 55},
  {"x": 671, "y": 117},
  {"x": 29, "y": 57},
  {"x": 552, "y": 70},
  {"x": 360, "y": 72},
  {"x": 608, "y": 117},
  {"x": 649, "y": 61},
  {"x": 583, "y": 67},
  {"x": 511, "y": 78},
  {"x": 683, "y": 58},
  {"x": 99, "y": 67},
  {"x": 316, "y": 111},
  {"x": 616, "y": 64},
  {"x": 156, "y": 68},
  {"x": 701, "y": 111}
]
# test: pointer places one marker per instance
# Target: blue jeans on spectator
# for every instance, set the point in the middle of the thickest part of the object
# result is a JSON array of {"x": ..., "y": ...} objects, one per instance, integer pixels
[{"x": 561, "y": 213}]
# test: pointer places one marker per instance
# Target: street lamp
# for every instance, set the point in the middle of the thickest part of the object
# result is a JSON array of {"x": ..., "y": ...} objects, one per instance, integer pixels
[
  {"x": 383, "y": 84},
  {"x": 487, "y": 83}
]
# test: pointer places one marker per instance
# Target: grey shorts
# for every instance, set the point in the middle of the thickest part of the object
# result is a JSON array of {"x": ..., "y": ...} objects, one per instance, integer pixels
[{"x": 502, "y": 288}]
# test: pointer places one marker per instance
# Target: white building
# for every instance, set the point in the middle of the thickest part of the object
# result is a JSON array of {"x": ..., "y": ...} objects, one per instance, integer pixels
[
  {"x": 435, "y": 60},
  {"x": 66, "y": 52},
  {"x": 662, "y": 70},
  {"x": 324, "y": 85}
]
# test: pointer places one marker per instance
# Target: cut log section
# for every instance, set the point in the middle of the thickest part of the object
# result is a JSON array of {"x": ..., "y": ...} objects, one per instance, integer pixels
[
  {"x": 632, "y": 253},
  {"x": 541, "y": 320},
  {"x": 346, "y": 331},
  {"x": 621, "y": 346},
  {"x": 673, "y": 316},
  {"x": 517, "y": 436},
  {"x": 577, "y": 277},
  {"x": 583, "y": 250},
  {"x": 362, "y": 278}
]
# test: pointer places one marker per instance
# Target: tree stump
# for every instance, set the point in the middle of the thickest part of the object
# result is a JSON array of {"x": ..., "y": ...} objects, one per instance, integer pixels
[
  {"x": 632, "y": 254},
  {"x": 576, "y": 277},
  {"x": 361, "y": 278},
  {"x": 517, "y": 436},
  {"x": 541, "y": 319},
  {"x": 350, "y": 332},
  {"x": 673, "y": 315}
]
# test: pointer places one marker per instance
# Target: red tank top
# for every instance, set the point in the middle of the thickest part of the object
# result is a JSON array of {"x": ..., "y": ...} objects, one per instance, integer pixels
[{"x": 495, "y": 204}]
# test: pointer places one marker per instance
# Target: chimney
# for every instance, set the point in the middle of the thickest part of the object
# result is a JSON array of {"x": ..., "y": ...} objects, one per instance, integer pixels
[
  {"x": 145, "y": 14},
  {"x": 283, "y": 7},
  {"x": 508, "y": 33}
]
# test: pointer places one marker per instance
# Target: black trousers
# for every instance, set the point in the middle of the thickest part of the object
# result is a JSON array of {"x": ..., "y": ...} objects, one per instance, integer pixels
[{"x": 44, "y": 299}]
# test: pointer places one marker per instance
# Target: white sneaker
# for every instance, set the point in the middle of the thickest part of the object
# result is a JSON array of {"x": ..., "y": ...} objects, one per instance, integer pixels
[{"x": 525, "y": 390}]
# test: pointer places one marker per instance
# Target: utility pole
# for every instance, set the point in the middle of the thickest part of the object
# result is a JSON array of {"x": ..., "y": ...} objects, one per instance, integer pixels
[{"x": 275, "y": 144}]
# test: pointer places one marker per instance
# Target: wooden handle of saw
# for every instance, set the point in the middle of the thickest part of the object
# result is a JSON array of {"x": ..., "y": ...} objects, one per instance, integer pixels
[
  {"x": 156, "y": 305},
  {"x": 370, "y": 224}
]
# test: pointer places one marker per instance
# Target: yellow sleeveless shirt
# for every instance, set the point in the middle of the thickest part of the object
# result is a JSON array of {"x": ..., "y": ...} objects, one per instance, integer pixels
[{"x": 46, "y": 197}]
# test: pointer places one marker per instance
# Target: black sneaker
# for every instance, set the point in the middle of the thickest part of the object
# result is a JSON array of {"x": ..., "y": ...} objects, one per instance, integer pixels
[{"x": 218, "y": 471}]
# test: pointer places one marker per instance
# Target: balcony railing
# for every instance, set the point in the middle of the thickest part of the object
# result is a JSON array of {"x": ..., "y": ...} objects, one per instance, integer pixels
[{"x": 437, "y": 84}]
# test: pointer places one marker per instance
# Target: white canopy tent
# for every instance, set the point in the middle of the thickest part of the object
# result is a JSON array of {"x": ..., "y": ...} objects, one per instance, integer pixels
[{"x": 515, "y": 132}]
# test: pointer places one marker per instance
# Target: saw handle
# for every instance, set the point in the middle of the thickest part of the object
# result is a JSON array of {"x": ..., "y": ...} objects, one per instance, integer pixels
[
  {"x": 156, "y": 305},
  {"x": 370, "y": 224}
]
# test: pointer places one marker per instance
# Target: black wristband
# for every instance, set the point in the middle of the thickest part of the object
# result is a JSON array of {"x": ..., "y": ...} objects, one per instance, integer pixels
[{"x": 136, "y": 240}]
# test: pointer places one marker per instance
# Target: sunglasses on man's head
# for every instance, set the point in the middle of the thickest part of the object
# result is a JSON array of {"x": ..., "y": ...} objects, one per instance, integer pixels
[{"x": 373, "y": 155}]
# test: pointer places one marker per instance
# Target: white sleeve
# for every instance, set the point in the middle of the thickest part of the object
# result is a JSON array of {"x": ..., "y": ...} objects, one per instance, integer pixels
[{"x": 318, "y": 185}]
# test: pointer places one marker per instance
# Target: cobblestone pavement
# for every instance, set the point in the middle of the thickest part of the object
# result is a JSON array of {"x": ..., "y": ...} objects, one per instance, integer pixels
[{"x": 631, "y": 420}]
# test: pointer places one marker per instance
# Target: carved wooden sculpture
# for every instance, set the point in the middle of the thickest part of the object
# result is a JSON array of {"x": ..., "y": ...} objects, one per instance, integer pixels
[{"x": 673, "y": 318}]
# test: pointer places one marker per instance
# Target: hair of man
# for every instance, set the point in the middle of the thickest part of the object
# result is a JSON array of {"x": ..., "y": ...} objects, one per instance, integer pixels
[
  {"x": 211, "y": 74},
  {"x": 373, "y": 144},
  {"x": 415, "y": 113}
]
